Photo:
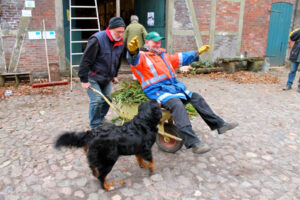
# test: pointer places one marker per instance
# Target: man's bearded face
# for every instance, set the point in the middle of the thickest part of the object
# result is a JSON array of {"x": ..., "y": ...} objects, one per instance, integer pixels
[{"x": 117, "y": 33}]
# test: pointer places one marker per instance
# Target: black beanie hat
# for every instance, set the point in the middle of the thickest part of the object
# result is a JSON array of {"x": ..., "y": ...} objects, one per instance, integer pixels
[{"x": 116, "y": 22}]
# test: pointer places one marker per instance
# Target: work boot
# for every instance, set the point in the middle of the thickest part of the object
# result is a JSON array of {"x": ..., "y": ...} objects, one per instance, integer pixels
[
  {"x": 200, "y": 148},
  {"x": 227, "y": 127},
  {"x": 287, "y": 88}
]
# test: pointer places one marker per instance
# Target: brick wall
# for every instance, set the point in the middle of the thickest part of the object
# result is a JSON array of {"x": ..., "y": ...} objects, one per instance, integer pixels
[
  {"x": 11, "y": 13},
  {"x": 184, "y": 43},
  {"x": 202, "y": 9},
  {"x": 227, "y": 18},
  {"x": 43, "y": 10},
  {"x": 8, "y": 44},
  {"x": 181, "y": 15},
  {"x": 182, "y": 21},
  {"x": 225, "y": 46},
  {"x": 256, "y": 26},
  {"x": 32, "y": 56}
]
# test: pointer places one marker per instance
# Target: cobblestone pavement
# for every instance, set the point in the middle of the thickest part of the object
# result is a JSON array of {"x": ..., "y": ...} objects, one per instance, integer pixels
[{"x": 260, "y": 159}]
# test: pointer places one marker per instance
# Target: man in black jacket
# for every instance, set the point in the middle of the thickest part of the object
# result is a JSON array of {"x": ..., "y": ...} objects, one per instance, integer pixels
[
  {"x": 99, "y": 67},
  {"x": 294, "y": 58}
]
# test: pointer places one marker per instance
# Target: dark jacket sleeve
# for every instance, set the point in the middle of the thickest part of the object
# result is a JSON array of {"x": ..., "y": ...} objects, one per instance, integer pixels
[
  {"x": 132, "y": 57},
  {"x": 294, "y": 55},
  {"x": 88, "y": 59}
]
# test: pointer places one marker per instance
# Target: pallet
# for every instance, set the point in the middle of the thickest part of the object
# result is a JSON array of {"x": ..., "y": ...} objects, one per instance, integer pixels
[{"x": 16, "y": 77}]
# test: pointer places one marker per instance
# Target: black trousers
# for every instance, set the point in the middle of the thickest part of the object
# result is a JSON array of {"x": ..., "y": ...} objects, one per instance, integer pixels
[{"x": 180, "y": 116}]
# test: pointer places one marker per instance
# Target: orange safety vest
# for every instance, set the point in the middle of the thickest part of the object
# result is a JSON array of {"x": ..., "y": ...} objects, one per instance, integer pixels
[{"x": 152, "y": 68}]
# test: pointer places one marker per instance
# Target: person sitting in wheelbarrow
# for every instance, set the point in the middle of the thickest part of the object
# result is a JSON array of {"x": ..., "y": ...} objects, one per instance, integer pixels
[{"x": 154, "y": 69}]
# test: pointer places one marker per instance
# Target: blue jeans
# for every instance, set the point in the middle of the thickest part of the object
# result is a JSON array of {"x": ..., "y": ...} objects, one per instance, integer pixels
[
  {"x": 292, "y": 74},
  {"x": 98, "y": 106}
]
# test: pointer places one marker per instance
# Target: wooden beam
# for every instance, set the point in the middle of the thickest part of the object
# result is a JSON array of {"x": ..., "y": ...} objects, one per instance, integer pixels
[
  {"x": 223, "y": 33},
  {"x": 11, "y": 33},
  {"x": 195, "y": 23},
  {"x": 15, "y": 55},
  {"x": 233, "y": 1},
  {"x": 212, "y": 28},
  {"x": 2, "y": 55},
  {"x": 206, "y": 33},
  {"x": 183, "y": 32},
  {"x": 118, "y": 8},
  {"x": 169, "y": 25},
  {"x": 60, "y": 39},
  {"x": 240, "y": 32}
]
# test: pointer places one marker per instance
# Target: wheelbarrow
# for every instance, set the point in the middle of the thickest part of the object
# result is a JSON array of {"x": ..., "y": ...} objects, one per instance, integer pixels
[{"x": 168, "y": 137}]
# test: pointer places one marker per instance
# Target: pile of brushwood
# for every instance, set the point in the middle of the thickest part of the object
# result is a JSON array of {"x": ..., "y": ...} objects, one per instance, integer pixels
[{"x": 131, "y": 92}]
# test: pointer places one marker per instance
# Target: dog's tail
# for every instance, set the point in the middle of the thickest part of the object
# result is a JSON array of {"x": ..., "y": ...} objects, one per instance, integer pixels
[{"x": 74, "y": 139}]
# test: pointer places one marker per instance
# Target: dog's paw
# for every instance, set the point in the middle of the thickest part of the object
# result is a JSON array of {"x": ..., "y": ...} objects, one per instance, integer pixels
[
  {"x": 151, "y": 167},
  {"x": 106, "y": 186},
  {"x": 141, "y": 162}
]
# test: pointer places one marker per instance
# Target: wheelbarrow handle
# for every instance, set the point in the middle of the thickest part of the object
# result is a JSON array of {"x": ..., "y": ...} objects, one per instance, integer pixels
[{"x": 117, "y": 110}]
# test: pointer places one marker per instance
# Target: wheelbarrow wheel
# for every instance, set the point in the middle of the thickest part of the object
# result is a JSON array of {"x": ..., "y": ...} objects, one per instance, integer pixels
[{"x": 168, "y": 144}]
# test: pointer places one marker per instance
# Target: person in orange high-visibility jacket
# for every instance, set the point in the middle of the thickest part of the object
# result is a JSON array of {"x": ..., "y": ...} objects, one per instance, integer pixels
[{"x": 154, "y": 69}]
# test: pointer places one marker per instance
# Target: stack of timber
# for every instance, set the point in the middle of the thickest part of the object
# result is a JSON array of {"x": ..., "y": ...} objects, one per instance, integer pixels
[
  {"x": 232, "y": 65},
  {"x": 205, "y": 67}
]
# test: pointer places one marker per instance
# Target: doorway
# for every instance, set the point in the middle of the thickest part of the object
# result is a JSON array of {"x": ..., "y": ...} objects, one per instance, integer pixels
[
  {"x": 280, "y": 21},
  {"x": 108, "y": 9},
  {"x": 150, "y": 13}
]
